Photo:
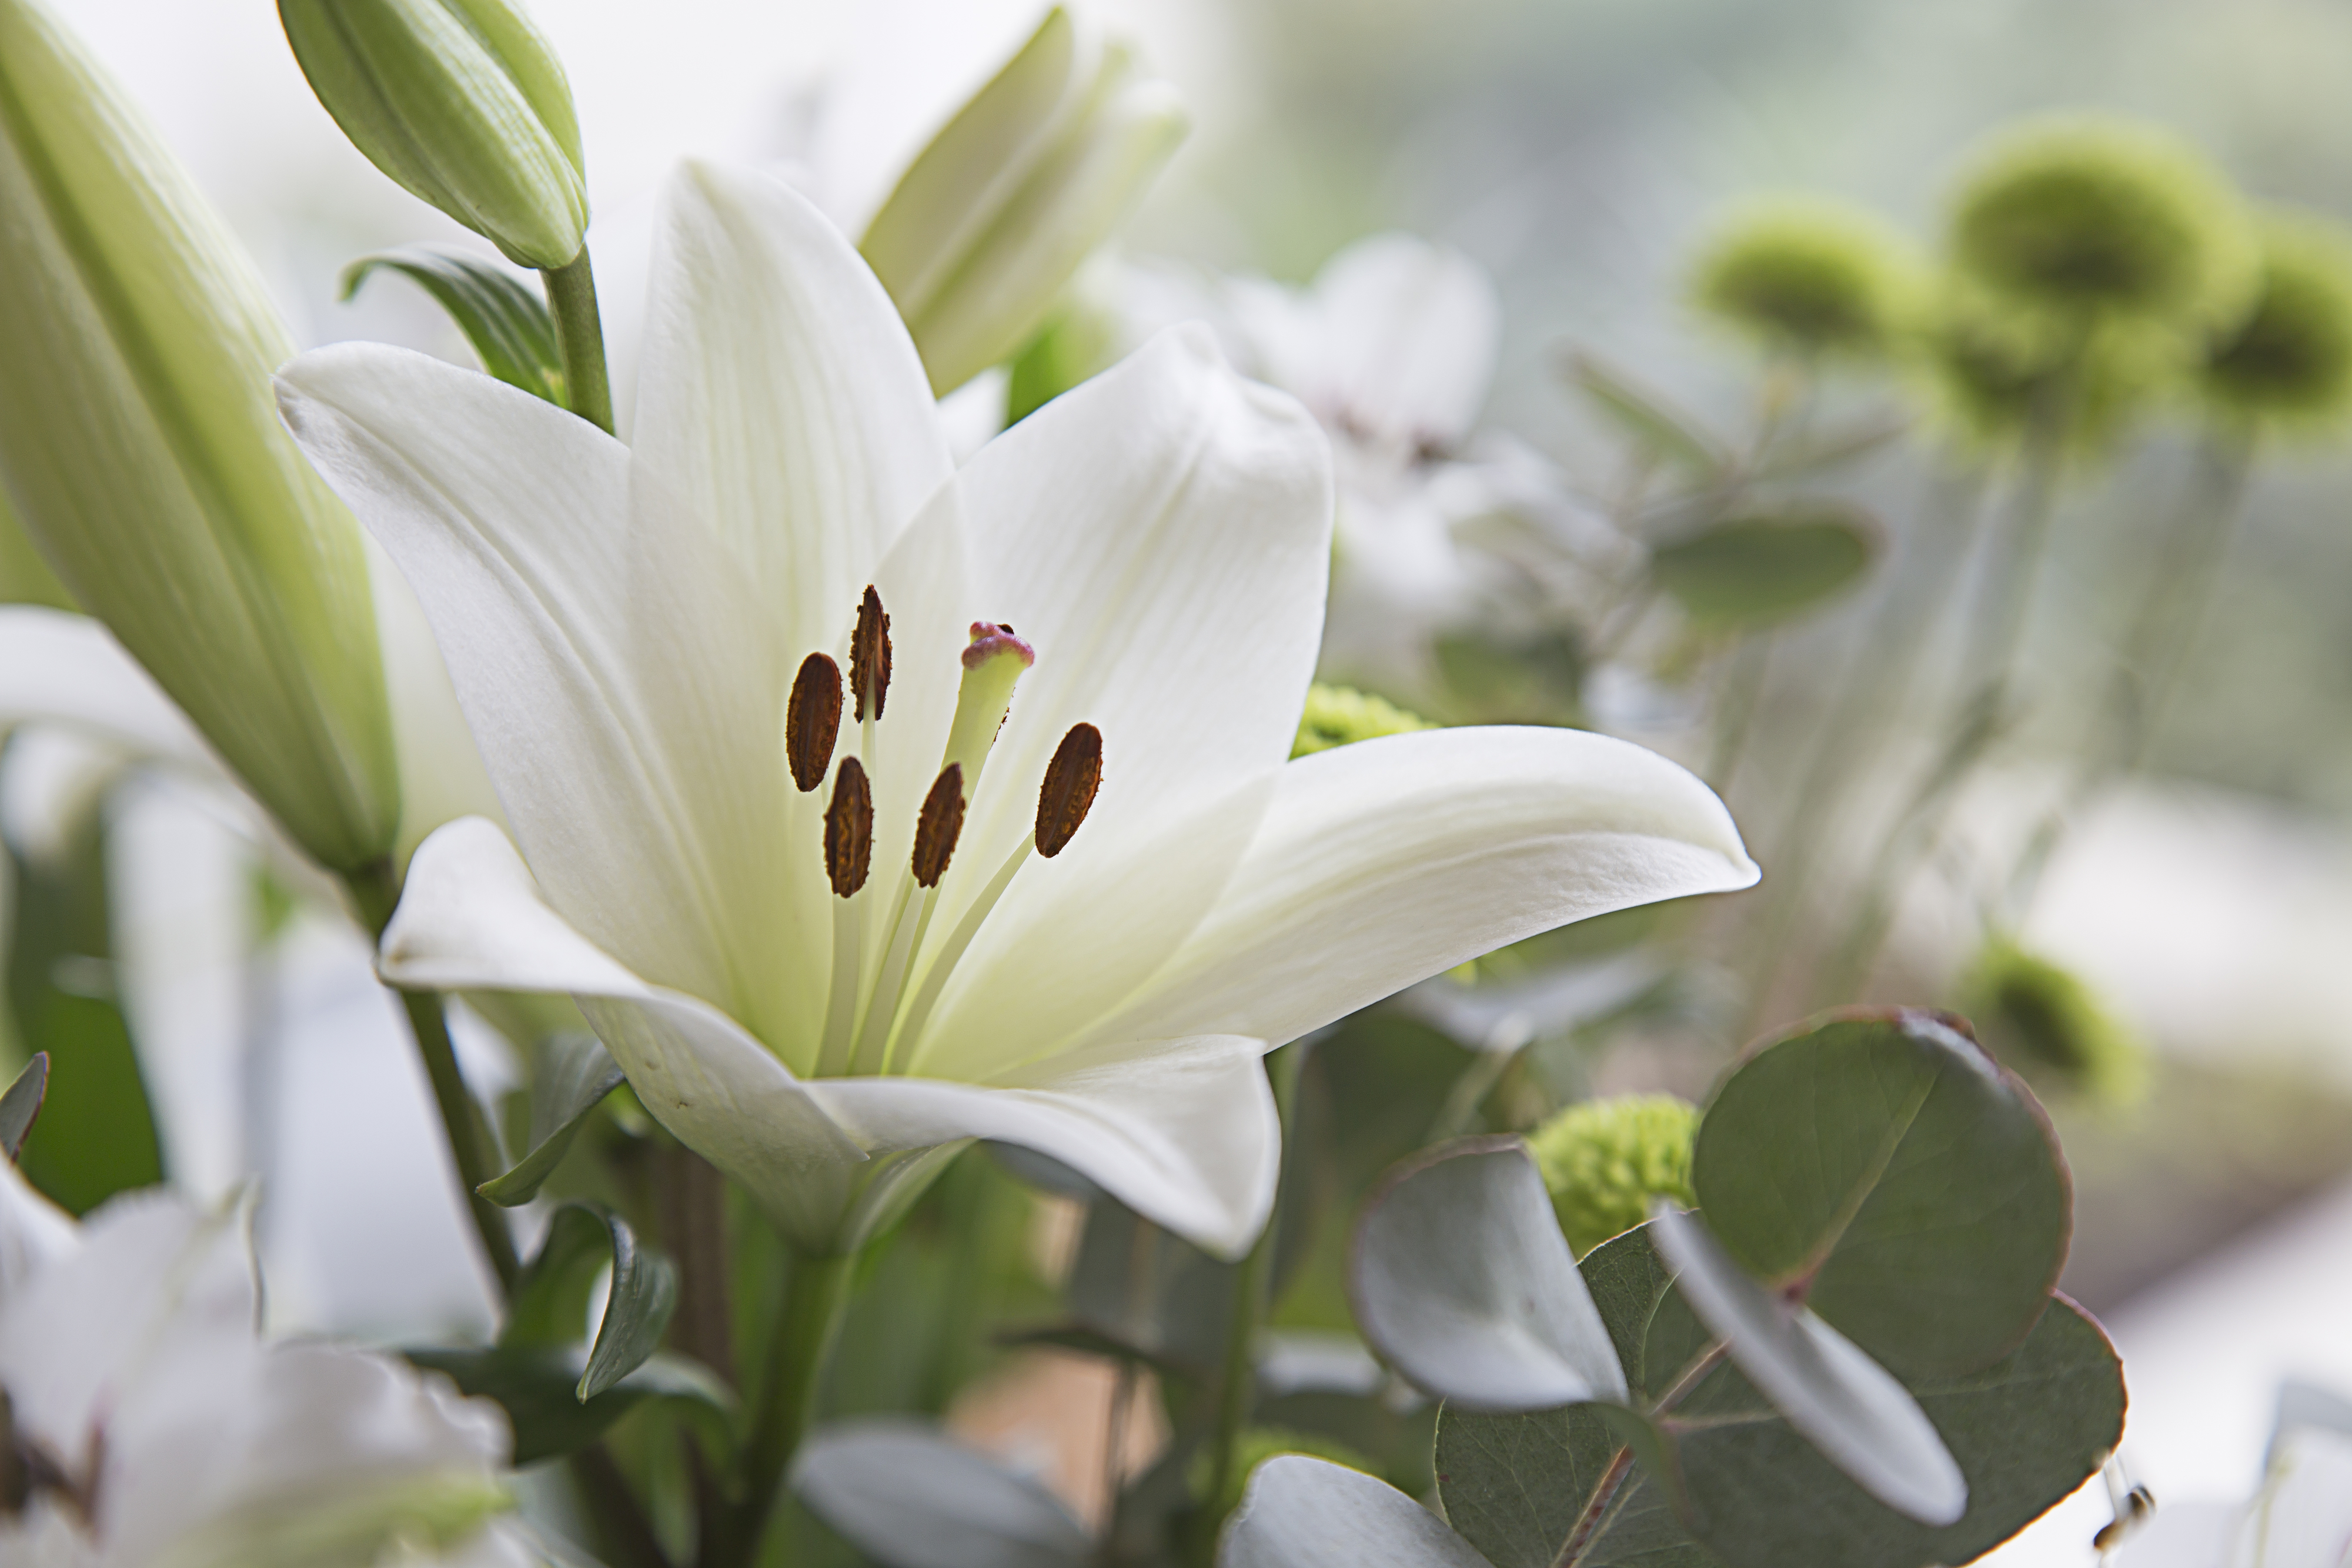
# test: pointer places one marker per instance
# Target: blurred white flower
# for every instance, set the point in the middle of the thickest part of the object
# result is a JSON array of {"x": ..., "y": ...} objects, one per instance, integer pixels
[
  {"x": 624, "y": 624},
  {"x": 148, "y": 1425}
]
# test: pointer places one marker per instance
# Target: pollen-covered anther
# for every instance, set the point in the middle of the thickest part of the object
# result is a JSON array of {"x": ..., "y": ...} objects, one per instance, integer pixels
[
  {"x": 812, "y": 720},
  {"x": 849, "y": 829},
  {"x": 939, "y": 826},
  {"x": 870, "y": 656},
  {"x": 1068, "y": 792}
]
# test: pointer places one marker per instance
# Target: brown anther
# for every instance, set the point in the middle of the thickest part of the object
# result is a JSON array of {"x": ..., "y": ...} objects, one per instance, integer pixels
[
  {"x": 1068, "y": 792},
  {"x": 812, "y": 720},
  {"x": 849, "y": 829},
  {"x": 869, "y": 654},
  {"x": 939, "y": 826}
]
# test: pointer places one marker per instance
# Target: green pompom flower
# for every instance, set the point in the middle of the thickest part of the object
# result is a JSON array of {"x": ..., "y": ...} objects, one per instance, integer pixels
[
  {"x": 1809, "y": 274},
  {"x": 2289, "y": 358},
  {"x": 1341, "y": 716},
  {"x": 1992, "y": 368},
  {"x": 2045, "y": 1021},
  {"x": 1605, "y": 1160},
  {"x": 2087, "y": 219}
]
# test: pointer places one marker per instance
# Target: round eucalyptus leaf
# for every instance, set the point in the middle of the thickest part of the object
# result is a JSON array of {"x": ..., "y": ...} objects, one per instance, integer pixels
[
  {"x": 1754, "y": 571},
  {"x": 1461, "y": 1280},
  {"x": 907, "y": 1497},
  {"x": 1517, "y": 1486},
  {"x": 1846, "y": 1405},
  {"x": 1881, "y": 1165},
  {"x": 1307, "y": 1513}
]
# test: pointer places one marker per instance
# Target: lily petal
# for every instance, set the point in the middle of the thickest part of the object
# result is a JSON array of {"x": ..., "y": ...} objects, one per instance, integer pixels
[
  {"x": 779, "y": 398},
  {"x": 1387, "y": 861},
  {"x": 1183, "y": 1131},
  {"x": 471, "y": 916}
]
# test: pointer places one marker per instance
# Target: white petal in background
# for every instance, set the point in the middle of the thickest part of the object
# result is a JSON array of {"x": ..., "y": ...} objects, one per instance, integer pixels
[{"x": 1301, "y": 1513}]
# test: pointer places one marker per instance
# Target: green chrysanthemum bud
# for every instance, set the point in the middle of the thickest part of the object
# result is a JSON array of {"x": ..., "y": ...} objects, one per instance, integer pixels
[
  {"x": 1254, "y": 1445},
  {"x": 1605, "y": 1160},
  {"x": 140, "y": 447},
  {"x": 1990, "y": 367},
  {"x": 462, "y": 102},
  {"x": 2088, "y": 220},
  {"x": 998, "y": 213},
  {"x": 2289, "y": 359},
  {"x": 1809, "y": 274},
  {"x": 1341, "y": 716},
  {"x": 2045, "y": 1021}
]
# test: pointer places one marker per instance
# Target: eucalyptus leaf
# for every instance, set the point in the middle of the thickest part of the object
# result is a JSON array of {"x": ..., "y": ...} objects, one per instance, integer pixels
[
  {"x": 1461, "y": 1280},
  {"x": 1750, "y": 572},
  {"x": 1517, "y": 1486},
  {"x": 1925, "y": 1208},
  {"x": 507, "y": 323},
  {"x": 1149, "y": 1289},
  {"x": 909, "y": 1497},
  {"x": 1846, "y": 1404},
  {"x": 537, "y": 1386},
  {"x": 571, "y": 1073},
  {"x": 1642, "y": 416},
  {"x": 22, "y": 1102},
  {"x": 1301, "y": 1513},
  {"x": 550, "y": 1304}
]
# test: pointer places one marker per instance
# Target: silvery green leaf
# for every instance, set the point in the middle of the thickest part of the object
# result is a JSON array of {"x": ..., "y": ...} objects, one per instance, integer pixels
[
  {"x": 507, "y": 323},
  {"x": 550, "y": 1304},
  {"x": 570, "y": 1074},
  {"x": 1300, "y": 1513},
  {"x": 1461, "y": 1280},
  {"x": 909, "y": 1498},
  {"x": 22, "y": 1102}
]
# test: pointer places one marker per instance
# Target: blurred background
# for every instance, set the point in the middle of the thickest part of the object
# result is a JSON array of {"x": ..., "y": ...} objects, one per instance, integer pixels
[{"x": 1582, "y": 153}]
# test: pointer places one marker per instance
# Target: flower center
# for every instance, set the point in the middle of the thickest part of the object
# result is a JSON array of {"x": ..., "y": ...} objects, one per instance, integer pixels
[{"x": 876, "y": 1010}]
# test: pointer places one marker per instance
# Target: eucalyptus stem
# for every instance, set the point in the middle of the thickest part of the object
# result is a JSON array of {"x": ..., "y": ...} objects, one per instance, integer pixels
[
  {"x": 1252, "y": 1287},
  {"x": 580, "y": 339},
  {"x": 375, "y": 889},
  {"x": 813, "y": 1302}
]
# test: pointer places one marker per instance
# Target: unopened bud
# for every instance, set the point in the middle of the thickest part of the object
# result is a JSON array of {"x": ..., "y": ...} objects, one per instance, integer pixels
[
  {"x": 813, "y": 721},
  {"x": 462, "y": 102}
]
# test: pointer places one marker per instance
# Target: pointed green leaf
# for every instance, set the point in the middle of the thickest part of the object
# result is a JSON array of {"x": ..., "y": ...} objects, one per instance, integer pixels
[
  {"x": 506, "y": 321},
  {"x": 1754, "y": 571},
  {"x": 550, "y": 1304},
  {"x": 571, "y": 1075},
  {"x": 22, "y": 1102},
  {"x": 538, "y": 1386}
]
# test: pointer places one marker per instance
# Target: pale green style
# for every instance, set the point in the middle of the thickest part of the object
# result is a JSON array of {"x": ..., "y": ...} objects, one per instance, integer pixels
[{"x": 140, "y": 450}]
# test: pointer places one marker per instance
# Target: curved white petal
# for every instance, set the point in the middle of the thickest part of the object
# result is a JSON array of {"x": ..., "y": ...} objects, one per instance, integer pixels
[
  {"x": 442, "y": 776},
  {"x": 1182, "y": 1131},
  {"x": 34, "y": 1232},
  {"x": 1301, "y": 1513},
  {"x": 63, "y": 668},
  {"x": 617, "y": 673},
  {"x": 1406, "y": 334},
  {"x": 1386, "y": 861},
  {"x": 472, "y": 918},
  {"x": 780, "y": 397}
]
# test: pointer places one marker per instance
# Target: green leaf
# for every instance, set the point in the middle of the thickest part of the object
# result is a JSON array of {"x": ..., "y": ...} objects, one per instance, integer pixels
[
  {"x": 1754, "y": 571},
  {"x": 1516, "y": 1485},
  {"x": 1150, "y": 1290},
  {"x": 508, "y": 324},
  {"x": 1645, "y": 418},
  {"x": 537, "y": 1386},
  {"x": 550, "y": 1304},
  {"x": 571, "y": 1076},
  {"x": 22, "y": 1102},
  {"x": 1883, "y": 1157}
]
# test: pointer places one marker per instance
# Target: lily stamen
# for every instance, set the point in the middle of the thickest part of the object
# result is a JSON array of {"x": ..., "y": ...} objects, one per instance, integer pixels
[
  {"x": 848, "y": 856},
  {"x": 813, "y": 721}
]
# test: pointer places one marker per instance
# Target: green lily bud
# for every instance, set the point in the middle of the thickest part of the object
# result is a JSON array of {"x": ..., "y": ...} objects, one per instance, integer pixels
[
  {"x": 996, "y": 215},
  {"x": 461, "y": 101},
  {"x": 2045, "y": 1021},
  {"x": 1605, "y": 1160},
  {"x": 2289, "y": 360},
  {"x": 25, "y": 577},
  {"x": 1811, "y": 274},
  {"x": 1341, "y": 716},
  {"x": 140, "y": 448}
]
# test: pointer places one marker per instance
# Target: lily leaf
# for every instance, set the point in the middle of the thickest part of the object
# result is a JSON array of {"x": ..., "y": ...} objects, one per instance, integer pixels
[
  {"x": 1755, "y": 572},
  {"x": 22, "y": 1102},
  {"x": 508, "y": 325},
  {"x": 550, "y": 1304},
  {"x": 571, "y": 1076},
  {"x": 537, "y": 1386},
  {"x": 907, "y": 1497},
  {"x": 1642, "y": 416},
  {"x": 1926, "y": 1207},
  {"x": 1301, "y": 1513},
  {"x": 1461, "y": 1280}
]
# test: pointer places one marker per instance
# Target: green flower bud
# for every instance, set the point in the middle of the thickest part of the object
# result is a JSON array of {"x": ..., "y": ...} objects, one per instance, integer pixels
[
  {"x": 2045, "y": 1021},
  {"x": 140, "y": 447},
  {"x": 1605, "y": 1160},
  {"x": 462, "y": 102},
  {"x": 1990, "y": 366},
  {"x": 1809, "y": 274},
  {"x": 25, "y": 577},
  {"x": 1255, "y": 1445},
  {"x": 1341, "y": 716},
  {"x": 2289, "y": 359},
  {"x": 998, "y": 213},
  {"x": 2087, "y": 220}
]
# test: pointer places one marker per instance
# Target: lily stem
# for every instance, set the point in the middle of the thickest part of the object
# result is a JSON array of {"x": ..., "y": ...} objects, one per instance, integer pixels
[
  {"x": 579, "y": 340},
  {"x": 813, "y": 1303},
  {"x": 1253, "y": 1291}
]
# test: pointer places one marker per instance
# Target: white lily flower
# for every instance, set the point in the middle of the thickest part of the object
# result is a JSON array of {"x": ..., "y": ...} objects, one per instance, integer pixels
[
  {"x": 150, "y": 1425},
  {"x": 792, "y": 984}
]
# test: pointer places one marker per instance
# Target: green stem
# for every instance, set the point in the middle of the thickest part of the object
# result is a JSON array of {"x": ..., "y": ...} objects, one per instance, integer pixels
[
  {"x": 375, "y": 889},
  {"x": 580, "y": 339},
  {"x": 1253, "y": 1290},
  {"x": 813, "y": 1303}
]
